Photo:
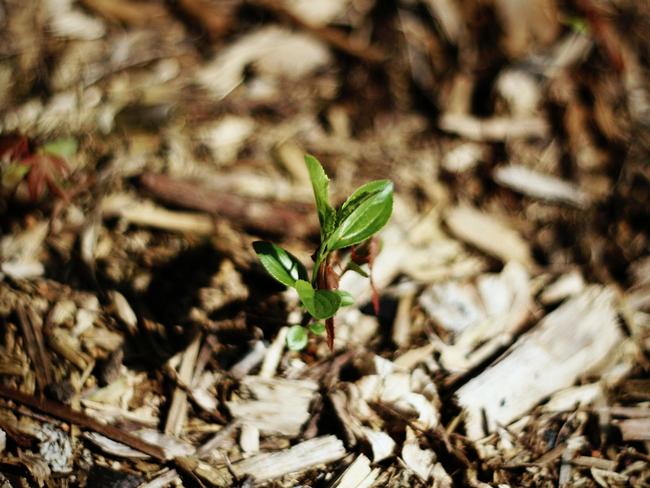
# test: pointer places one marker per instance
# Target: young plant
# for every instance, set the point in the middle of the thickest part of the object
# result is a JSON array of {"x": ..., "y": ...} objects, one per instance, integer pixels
[
  {"x": 351, "y": 226},
  {"x": 40, "y": 167}
]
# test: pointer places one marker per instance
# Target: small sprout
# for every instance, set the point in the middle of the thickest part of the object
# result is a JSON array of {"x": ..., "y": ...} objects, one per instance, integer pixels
[
  {"x": 41, "y": 168},
  {"x": 297, "y": 337},
  {"x": 351, "y": 226},
  {"x": 317, "y": 328}
]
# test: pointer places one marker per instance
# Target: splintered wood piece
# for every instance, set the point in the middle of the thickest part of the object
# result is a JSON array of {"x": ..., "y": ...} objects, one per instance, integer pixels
[
  {"x": 147, "y": 214},
  {"x": 495, "y": 128},
  {"x": 249, "y": 439},
  {"x": 224, "y": 439},
  {"x": 303, "y": 456},
  {"x": 489, "y": 234},
  {"x": 538, "y": 185},
  {"x": 69, "y": 347},
  {"x": 274, "y": 354},
  {"x": 402, "y": 323},
  {"x": 381, "y": 443},
  {"x": 214, "y": 476},
  {"x": 66, "y": 414},
  {"x": 565, "y": 344},
  {"x": 420, "y": 461},
  {"x": 114, "y": 448},
  {"x": 168, "y": 477},
  {"x": 635, "y": 429},
  {"x": 249, "y": 361},
  {"x": 280, "y": 406},
  {"x": 564, "y": 287},
  {"x": 506, "y": 298},
  {"x": 178, "y": 409},
  {"x": 357, "y": 475},
  {"x": 123, "y": 310},
  {"x": 35, "y": 345}
]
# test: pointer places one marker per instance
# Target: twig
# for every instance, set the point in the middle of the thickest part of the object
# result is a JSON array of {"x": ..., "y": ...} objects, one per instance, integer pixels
[
  {"x": 264, "y": 216},
  {"x": 35, "y": 346},
  {"x": 66, "y": 414}
]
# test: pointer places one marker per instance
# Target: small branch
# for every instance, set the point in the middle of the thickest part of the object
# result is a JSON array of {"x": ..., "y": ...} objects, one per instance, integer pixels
[
  {"x": 66, "y": 414},
  {"x": 273, "y": 217}
]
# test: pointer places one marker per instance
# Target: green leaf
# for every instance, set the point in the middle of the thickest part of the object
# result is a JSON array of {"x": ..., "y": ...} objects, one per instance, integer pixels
[
  {"x": 363, "y": 214},
  {"x": 63, "y": 147},
  {"x": 352, "y": 266},
  {"x": 282, "y": 265},
  {"x": 346, "y": 298},
  {"x": 317, "y": 328},
  {"x": 297, "y": 337},
  {"x": 359, "y": 196},
  {"x": 321, "y": 304},
  {"x": 320, "y": 184}
]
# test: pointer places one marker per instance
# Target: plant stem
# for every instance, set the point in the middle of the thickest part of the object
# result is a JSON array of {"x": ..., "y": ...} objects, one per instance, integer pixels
[{"x": 321, "y": 256}]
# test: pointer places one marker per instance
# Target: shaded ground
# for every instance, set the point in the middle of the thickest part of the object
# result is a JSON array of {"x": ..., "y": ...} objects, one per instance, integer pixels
[{"x": 144, "y": 145}]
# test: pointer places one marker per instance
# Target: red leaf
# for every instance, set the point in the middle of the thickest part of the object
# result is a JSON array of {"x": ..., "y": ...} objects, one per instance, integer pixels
[
  {"x": 329, "y": 327},
  {"x": 13, "y": 147},
  {"x": 36, "y": 178}
]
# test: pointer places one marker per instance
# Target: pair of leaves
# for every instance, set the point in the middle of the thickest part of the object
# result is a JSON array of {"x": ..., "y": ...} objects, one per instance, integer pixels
[
  {"x": 363, "y": 214},
  {"x": 281, "y": 264},
  {"x": 298, "y": 335},
  {"x": 288, "y": 270}
]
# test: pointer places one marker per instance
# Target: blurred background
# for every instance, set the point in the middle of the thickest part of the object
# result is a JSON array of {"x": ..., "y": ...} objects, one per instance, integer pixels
[{"x": 145, "y": 143}]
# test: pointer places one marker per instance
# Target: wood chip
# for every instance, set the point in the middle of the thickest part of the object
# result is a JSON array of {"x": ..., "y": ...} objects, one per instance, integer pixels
[
  {"x": 542, "y": 186},
  {"x": 253, "y": 358},
  {"x": 420, "y": 461},
  {"x": 280, "y": 406},
  {"x": 565, "y": 286},
  {"x": 543, "y": 361},
  {"x": 359, "y": 474},
  {"x": 303, "y": 456},
  {"x": 635, "y": 429},
  {"x": 489, "y": 234},
  {"x": 166, "y": 478},
  {"x": 495, "y": 128},
  {"x": 382, "y": 445},
  {"x": 124, "y": 311},
  {"x": 249, "y": 438},
  {"x": 149, "y": 215},
  {"x": 274, "y": 354},
  {"x": 178, "y": 409}
]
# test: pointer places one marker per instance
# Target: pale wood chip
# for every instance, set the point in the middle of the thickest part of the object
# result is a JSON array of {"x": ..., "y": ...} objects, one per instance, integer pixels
[
  {"x": 303, "y": 456},
  {"x": 543, "y": 361},
  {"x": 494, "y": 128},
  {"x": 635, "y": 429},
  {"x": 489, "y": 234},
  {"x": 542, "y": 186},
  {"x": 359, "y": 474},
  {"x": 178, "y": 409}
]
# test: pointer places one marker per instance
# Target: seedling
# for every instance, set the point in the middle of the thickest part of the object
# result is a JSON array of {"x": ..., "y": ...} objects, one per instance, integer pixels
[
  {"x": 351, "y": 226},
  {"x": 40, "y": 168}
]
